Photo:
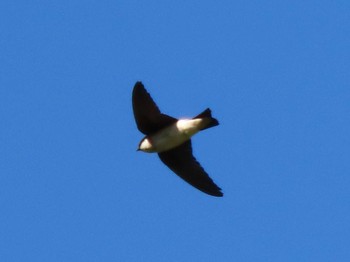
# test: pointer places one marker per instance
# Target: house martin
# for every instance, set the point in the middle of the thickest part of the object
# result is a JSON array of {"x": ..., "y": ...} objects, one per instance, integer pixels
[{"x": 171, "y": 139}]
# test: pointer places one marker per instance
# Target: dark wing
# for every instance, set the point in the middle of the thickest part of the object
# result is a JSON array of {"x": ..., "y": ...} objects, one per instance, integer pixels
[
  {"x": 181, "y": 161},
  {"x": 148, "y": 117}
]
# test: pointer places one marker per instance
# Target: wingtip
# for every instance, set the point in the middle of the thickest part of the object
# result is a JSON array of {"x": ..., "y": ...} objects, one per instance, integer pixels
[
  {"x": 216, "y": 194},
  {"x": 138, "y": 83}
]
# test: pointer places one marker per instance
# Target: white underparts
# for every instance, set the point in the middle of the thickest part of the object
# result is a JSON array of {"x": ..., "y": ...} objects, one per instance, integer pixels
[{"x": 172, "y": 136}]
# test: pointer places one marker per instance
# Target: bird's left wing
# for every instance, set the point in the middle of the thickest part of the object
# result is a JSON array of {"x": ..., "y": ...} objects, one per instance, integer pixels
[
  {"x": 147, "y": 115},
  {"x": 181, "y": 161}
]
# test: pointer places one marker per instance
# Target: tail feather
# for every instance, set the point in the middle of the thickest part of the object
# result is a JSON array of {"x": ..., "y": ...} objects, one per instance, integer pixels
[{"x": 207, "y": 114}]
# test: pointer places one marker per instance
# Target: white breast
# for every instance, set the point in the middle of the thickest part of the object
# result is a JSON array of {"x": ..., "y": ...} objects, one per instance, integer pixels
[{"x": 171, "y": 136}]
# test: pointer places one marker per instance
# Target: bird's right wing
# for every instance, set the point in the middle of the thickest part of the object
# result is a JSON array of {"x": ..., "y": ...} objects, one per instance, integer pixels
[
  {"x": 181, "y": 161},
  {"x": 147, "y": 115}
]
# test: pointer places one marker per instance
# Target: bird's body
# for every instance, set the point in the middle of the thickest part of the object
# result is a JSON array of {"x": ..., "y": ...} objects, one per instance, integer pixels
[
  {"x": 171, "y": 136},
  {"x": 171, "y": 139}
]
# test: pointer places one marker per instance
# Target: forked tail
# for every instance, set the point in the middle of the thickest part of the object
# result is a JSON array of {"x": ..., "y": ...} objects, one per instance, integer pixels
[{"x": 206, "y": 114}]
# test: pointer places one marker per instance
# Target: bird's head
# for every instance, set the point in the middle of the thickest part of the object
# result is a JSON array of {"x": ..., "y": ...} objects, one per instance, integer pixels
[{"x": 145, "y": 145}]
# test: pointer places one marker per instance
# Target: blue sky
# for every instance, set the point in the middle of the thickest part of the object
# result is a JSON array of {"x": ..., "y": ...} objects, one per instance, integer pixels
[{"x": 276, "y": 76}]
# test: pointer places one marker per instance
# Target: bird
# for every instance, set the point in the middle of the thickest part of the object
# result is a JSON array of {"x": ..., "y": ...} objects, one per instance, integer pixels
[{"x": 170, "y": 138}]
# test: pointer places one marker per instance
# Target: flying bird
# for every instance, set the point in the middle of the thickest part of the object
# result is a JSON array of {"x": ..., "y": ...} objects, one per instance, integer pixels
[{"x": 171, "y": 139}]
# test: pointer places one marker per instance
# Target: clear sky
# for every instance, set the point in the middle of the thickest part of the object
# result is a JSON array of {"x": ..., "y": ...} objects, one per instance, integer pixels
[{"x": 276, "y": 76}]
